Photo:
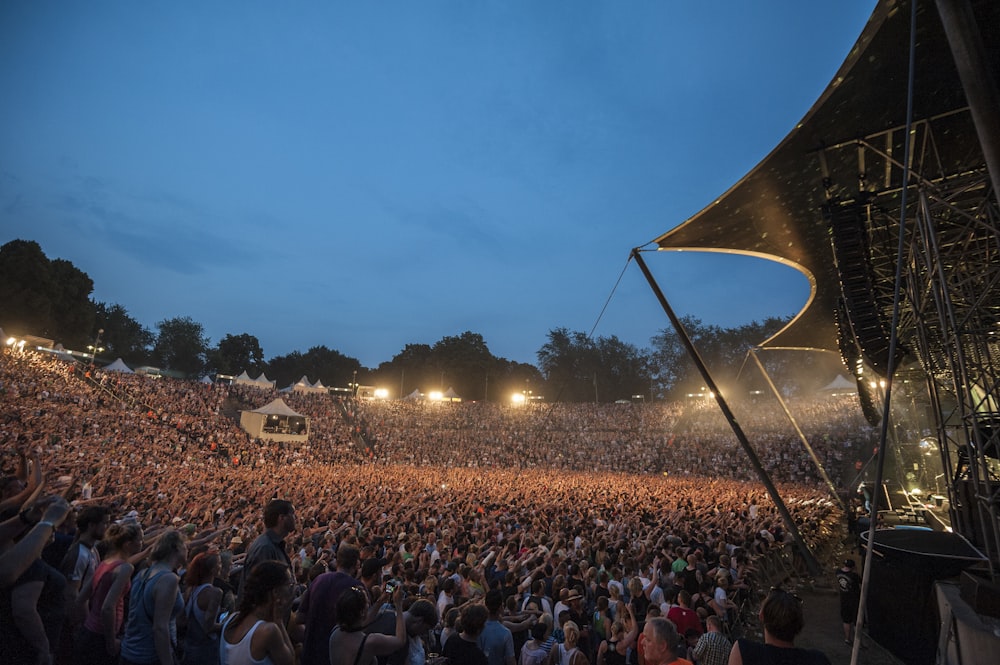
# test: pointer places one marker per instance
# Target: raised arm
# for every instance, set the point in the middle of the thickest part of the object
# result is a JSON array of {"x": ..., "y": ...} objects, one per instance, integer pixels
[{"x": 16, "y": 560}]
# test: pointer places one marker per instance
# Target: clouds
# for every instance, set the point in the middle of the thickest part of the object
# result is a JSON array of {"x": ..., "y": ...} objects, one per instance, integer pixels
[{"x": 368, "y": 175}]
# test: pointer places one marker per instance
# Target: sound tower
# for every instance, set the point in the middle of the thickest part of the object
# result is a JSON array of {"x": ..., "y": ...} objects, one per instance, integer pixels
[{"x": 849, "y": 238}]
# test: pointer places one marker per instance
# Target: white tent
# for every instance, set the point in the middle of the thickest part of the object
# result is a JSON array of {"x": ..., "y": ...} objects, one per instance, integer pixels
[
  {"x": 840, "y": 385},
  {"x": 451, "y": 396},
  {"x": 275, "y": 421},
  {"x": 119, "y": 366},
  {"x": 264, "y": 382},
  {"x": 304, "y": 386},
  {"x": 416, "y": 394},
  {"x": 245, "y": 380},
  {"x": 206, "y": 379}
]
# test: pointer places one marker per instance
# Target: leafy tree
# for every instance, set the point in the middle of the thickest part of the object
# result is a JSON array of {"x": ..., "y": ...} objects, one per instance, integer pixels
[
  {"x": 123, "y": 336},
  {"x": 464, "y": 362},
  {"x": 580, "y": 369},
  {"x": 43, "y": 297},
  {"x": 623, "y": 369},
  {"x": 181, "y": 345},
  {"x": 410, "y": 369},
  {"x": 26, "y": 286},
  {"x": 508, "y": 377},
  {"x": 72, "y": 311},
  {"x": 285, "y": 369},
  {"x": 319, "y": 363},
  {"x": 560, "y": 361},
  {"x": 236, "y": 353},
  {"x": 722, "y": 350}
]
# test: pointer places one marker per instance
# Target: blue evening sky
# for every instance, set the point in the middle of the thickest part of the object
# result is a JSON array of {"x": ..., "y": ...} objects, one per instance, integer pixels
[{"x": 366, "y": 175}]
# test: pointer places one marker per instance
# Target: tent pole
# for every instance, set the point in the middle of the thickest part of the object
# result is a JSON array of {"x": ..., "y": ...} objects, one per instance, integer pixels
[
  {"x": 810, "y": 560},
  {"x": 798, "y": 430}
]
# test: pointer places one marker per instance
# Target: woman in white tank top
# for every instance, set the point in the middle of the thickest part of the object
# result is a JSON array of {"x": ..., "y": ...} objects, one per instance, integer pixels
[{"x": 256, "y": 634}]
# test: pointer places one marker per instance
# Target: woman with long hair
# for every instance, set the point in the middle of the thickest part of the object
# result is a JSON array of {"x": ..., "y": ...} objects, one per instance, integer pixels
[
  {"x": 621, "y": 638},
  {"x": 155, "y": 602},
  {"x": 201, "y": 608},
  {"x": 255, "y": 634},
  {"x": 349, "y": 644},
  {"x": 99, "y": 639}
]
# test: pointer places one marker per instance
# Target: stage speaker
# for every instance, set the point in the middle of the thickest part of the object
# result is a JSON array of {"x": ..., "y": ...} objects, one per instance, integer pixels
[{"x": 858, "y": 283}]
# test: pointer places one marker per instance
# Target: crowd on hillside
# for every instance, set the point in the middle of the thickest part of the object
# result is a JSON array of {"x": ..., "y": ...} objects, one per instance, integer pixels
[
  {"x": 683, "y": 438},
  {"x": 584, "y": 497}
]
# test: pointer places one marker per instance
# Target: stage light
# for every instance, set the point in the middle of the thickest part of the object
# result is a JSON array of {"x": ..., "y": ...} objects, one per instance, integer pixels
[
  {"x": 435, "y": 395},
  {"x": 517, "y": 398},
  {"x": 381, "y": 393}
]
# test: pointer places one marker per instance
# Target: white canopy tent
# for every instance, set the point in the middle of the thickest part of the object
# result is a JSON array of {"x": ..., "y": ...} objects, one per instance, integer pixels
[
  {"x": 304, "y": 386},
  {"x": 119, "y": 366},
  {"x": 840, "y": 386},
  {"x": 275, "y": 421}
]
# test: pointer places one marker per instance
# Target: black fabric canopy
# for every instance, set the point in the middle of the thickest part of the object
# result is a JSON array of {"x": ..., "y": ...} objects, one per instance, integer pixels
[{"x": 775, "y": 211}]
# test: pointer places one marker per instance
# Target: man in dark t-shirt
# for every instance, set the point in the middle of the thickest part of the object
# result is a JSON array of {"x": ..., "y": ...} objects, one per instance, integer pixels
[
  {"x": 318, "y": 609},
  {"x": 849, "y": 584}
]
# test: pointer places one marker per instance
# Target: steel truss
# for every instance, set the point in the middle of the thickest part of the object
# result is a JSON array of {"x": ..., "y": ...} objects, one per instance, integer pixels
[{"x": 950, "y": 316}]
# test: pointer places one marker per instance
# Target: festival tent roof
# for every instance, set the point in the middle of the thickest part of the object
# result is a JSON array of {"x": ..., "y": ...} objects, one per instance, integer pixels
[
  {"x": 416, "y": 394},
  {"x": 840, "y": 383},
  {"x": 304, "y": 386},
  {"x": 277, "y": 407},
  {"x": 245, "y": 380},
  {"x": 775, "y": 211},
  {"x": 118, "y": 366},
  {"x": 275, "y": 421},
  {"x": 451, "y": 395},
  {"x": 263, "y": 381},
  {"x": 206, "y": 379}
]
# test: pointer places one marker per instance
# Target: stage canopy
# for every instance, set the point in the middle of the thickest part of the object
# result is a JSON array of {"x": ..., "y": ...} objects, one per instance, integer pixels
[{"x": 775, "y": 211}]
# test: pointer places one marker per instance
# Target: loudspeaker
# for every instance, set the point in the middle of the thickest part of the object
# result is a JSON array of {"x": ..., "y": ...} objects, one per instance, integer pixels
[{"x": 849, "y": 237}]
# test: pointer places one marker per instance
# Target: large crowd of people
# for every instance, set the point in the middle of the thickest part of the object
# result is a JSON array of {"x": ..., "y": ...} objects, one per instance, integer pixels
[{"x": 551, "y": 506}]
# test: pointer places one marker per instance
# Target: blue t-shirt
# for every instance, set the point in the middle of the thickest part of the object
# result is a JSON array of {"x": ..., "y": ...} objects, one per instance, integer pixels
[{"x": 497, "y": 642}]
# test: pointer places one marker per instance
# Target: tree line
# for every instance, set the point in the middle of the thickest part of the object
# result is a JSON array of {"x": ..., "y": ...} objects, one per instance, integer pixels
[{"x": 51, "y": 299}]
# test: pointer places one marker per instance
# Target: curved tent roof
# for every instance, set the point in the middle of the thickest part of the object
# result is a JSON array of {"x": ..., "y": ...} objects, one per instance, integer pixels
[{"x": 775, "y": 211}]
